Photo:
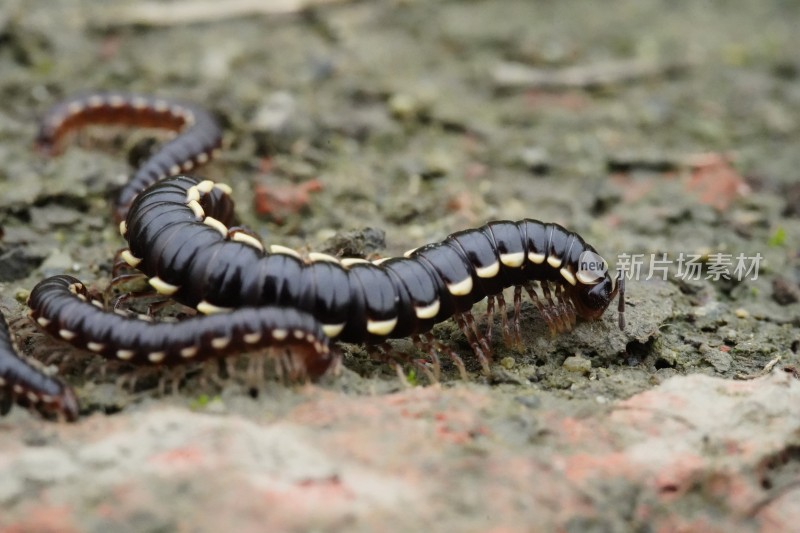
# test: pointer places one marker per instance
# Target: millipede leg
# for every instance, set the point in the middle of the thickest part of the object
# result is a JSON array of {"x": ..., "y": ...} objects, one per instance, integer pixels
[
  {"x": 284, "y": 366},
  {"x": 441, "y": 347},
  {"x": 560, "y": 310},
  {"x": 553, "y": 306},
  {"x": 425, "y": 344},
  {"x": 297, "y": 363},
  {"x": 170, "y": 377},
  {"x": 127, "y": 381},
  {"x": 292, "y": 365},
  {"x": 255, "y": 371},
  {"x": 60, "y": 358},
  {"x": 620, "y": 288},
  {"x": 230, "y": 367},
  {"x": 117, "y": 266},
  {"x": 211, "y": 373},
  {"x": 490, "y": 317},
  {"x": 162, "y": 385},
  {"x": 385, "y": 353},
  {"x": 429, "y": 374},
  {"x": 572, "y": 314},
  {"x": 564, "y": 309},
  {"x": 468, "y": 333},
  {"x": 401, "y": 375},
  {"x": 61, "y": 417},
  {"x": 99, "y": 369},
  {"x": 508, "y": 340},
  {"x": 278, "y": 364},
  {"x": 517, "y": 312},
  {"x": 479, "y": 337},
  {"x": 543, "y": 310},
  {"x": 23, "y": 325},
  {"x": 122, "y": 278},
  {"x": 382, "y": 352},
  {"x": 436, "y": 364},
  {"x": 130, "y": 296},
  {"x": 119, "y": 279}
]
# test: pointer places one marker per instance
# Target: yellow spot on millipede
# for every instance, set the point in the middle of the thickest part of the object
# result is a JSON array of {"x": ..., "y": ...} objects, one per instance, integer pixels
[
  {"x": 461, "y": 288},
  {"x": 217, "y": 225},
  {"x": 381, "y": 327},
  {"x": 211, "y": 309},
  {"x": 332, "y": 330}
]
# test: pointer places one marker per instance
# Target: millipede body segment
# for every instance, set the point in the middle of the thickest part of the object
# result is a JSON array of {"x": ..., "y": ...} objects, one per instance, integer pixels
[{"x": 180, "y": 234}]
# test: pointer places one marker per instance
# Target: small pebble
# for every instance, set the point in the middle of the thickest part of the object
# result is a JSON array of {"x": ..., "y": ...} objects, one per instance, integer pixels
[
  {"x": 508, "y": 362},
  {"x": 536, "y": 159},
  {"x": 21, "y": 295},
  {"x": 529, "y": 401},
  {"x": 276, "y": 112},
  {"x": 576, "y": 363},
  {"x": 742, "y": 313},
  {"x": 785, "y": 291},
  {"x": 57, "y": 261},
  {"x": 403, "y": 106},
  {"x": 46, "y": 465},
  {"x": 437, "y": 163}
]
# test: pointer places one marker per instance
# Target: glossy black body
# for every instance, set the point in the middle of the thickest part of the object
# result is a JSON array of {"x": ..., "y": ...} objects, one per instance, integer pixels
[{"x": 205, "y": 266}]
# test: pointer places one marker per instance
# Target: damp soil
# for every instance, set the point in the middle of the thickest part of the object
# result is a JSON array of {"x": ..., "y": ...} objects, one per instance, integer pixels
[{"x": 646, "y": 127}]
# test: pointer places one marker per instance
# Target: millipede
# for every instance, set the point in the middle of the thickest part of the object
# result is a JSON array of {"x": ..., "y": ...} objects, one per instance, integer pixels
[
  {"x": 178, "y": 237},
  {"x": 182, "y": 236},
  {"x": 63, "y": 307},
  {"x": 26, "y": 384}
]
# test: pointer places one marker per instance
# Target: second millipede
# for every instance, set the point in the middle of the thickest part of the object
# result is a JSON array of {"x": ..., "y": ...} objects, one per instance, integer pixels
[{"x": 180, "y": 235}]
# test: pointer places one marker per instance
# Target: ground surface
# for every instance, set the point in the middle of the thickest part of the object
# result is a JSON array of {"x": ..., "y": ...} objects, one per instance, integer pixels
[{"x": 647, "y": 127}]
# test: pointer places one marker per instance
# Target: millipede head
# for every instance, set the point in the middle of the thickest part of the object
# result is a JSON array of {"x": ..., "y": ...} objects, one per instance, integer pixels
[{"x": 591, "y": 300}]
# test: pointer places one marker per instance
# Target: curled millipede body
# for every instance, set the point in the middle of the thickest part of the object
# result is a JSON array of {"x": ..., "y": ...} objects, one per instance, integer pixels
[
  {"x": 198, "y": 141},
  {"x": 62, "y": 306},
  {"x": 28, "y": 385},
  {"x": 178, "y": 236}
]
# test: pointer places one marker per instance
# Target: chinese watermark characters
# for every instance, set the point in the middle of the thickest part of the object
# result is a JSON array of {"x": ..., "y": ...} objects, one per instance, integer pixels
[{"x": 718, "y": 266}]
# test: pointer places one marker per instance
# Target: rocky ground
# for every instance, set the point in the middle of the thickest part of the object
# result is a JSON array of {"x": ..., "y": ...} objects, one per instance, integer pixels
[{"x": 647, "y": 127}]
